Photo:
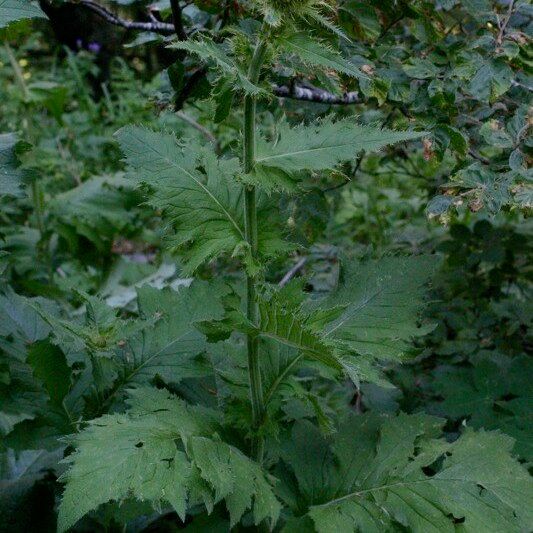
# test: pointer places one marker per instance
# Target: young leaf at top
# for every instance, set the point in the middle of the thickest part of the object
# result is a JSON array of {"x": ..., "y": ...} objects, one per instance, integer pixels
[
  {"x": 13, "y": 10},
  {"x": 380, "y": 474},
  {"x": 210, "y": 51},
  {"x": 162, "y": 451},
  {"x": 199, "y": 195},
  {"x": 319, "y": 146}
]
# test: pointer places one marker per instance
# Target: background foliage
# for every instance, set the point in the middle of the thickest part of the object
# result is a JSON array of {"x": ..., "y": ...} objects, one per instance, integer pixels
[{"x": 97, "y": 256}]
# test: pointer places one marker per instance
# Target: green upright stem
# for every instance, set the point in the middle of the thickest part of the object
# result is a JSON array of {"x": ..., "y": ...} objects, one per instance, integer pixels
[{"x": 250, "y": 219}]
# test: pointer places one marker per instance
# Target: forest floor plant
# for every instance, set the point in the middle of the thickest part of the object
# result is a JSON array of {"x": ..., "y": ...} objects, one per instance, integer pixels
[{"x": 262, "y": 448}]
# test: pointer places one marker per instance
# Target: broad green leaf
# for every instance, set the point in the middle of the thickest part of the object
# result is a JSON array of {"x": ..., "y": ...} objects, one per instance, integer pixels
[
  {"x": 172, "y": 347},
  {"x": 491, "y": 395},
  {"x": 162, "y": 450},
  {"x": 21, "y": 398},
  {"x": 381, "y": 300},
  {"x": 210, "y": 51},
  {"x": 162, "y": 342},
  {"x": 19, "y": 318},
  {"x": 486, "y": 189},
  {"x": 492, "y": 80},
  {"x": 13, "y": 10},
  {"x": 317, "y": 54},
  {"x": 50, "y": 366},
  {"x": 319, "y": 146},
  {"x": 421, "y": 69},
  {"x": 378, "y": 474},
  {"x": 99, "y": 209},
  {"x": 373, "y": 316},
  {"x": 199, "y": 195},
  {"x": 10, "y": 175}
]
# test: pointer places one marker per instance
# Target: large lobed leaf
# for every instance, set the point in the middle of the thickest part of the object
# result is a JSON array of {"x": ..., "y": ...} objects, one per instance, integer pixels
[
  {"x": 319, "y": 146},
  {"x": 171, "y": 348},
  {"x": 162, "y": 451},
  {"x": 381, "y": 299},
  {"x": 161, "y": 342},
  {"x": 379, "y": 474},
  {"x": 372, "y": 316},
  {"x": 199, "y": 195},
  {"x": 492, "y": 394},
  {"x": 13, "y": 10},
  {"x": 316, "y": 54}
]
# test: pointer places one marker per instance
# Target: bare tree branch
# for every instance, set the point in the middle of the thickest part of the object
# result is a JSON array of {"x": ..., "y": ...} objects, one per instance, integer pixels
[
  {"x": 306, "y": 93},
  {"x": 292, "y": 272},
  {"x": 314, "y": 94},
  {"x": 154, "y": 26},
  {"x": 177, "y": 20},
  {"x": 202, "y": 129}
]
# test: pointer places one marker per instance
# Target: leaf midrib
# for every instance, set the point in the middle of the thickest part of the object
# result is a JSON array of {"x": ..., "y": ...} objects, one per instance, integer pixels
[
  {"x": 261, "y": 160},
  {"x": 202, "y": 186}
]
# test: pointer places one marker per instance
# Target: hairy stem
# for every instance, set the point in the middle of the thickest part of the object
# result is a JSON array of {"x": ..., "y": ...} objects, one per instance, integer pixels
[{"x": 250, "y": 218}]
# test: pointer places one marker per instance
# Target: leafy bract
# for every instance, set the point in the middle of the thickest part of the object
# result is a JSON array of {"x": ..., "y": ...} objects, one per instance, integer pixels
[
  {"x": 319, "y": 146},
  {"x": 211, "y": 51},
  {"x": 199, "y": 195},
  {"x": 379, "y": 473},
  {"x": 13, "y": 10},
  {"x": 286, "y": 322},
  {"x": 98, "y": 331},
  {"x": 162, "y": 450}
]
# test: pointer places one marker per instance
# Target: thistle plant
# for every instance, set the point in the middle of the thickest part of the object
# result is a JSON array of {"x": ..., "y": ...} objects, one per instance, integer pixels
[{"x": 243, "y": 452}]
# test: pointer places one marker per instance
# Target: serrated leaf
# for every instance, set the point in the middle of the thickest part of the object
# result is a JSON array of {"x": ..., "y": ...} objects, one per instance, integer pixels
[
  {"x": 381, "y": 301},
  {"x": 18, "y": 317},
  {"x": 491, "y": 395},
  {"x": 319, "y": 146},
  {"x": 317, "y": 54},
  {"x": 210, "y": 51},
  {"x": 171, "y": 348},
  {"x": 13, "y": 10},
  {"x": 199, "y": 194},
  {"x": 162, "y": 450},
  {"x": 379, "y": 473},
  {"x": 486, "y": 189},
  {"x": 50, "y": 366},
  {"x": 287, "y": 324}
]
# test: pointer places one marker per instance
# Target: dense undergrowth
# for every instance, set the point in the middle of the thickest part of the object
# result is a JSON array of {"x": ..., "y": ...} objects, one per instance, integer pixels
[{"x": 323, "y": 328}]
